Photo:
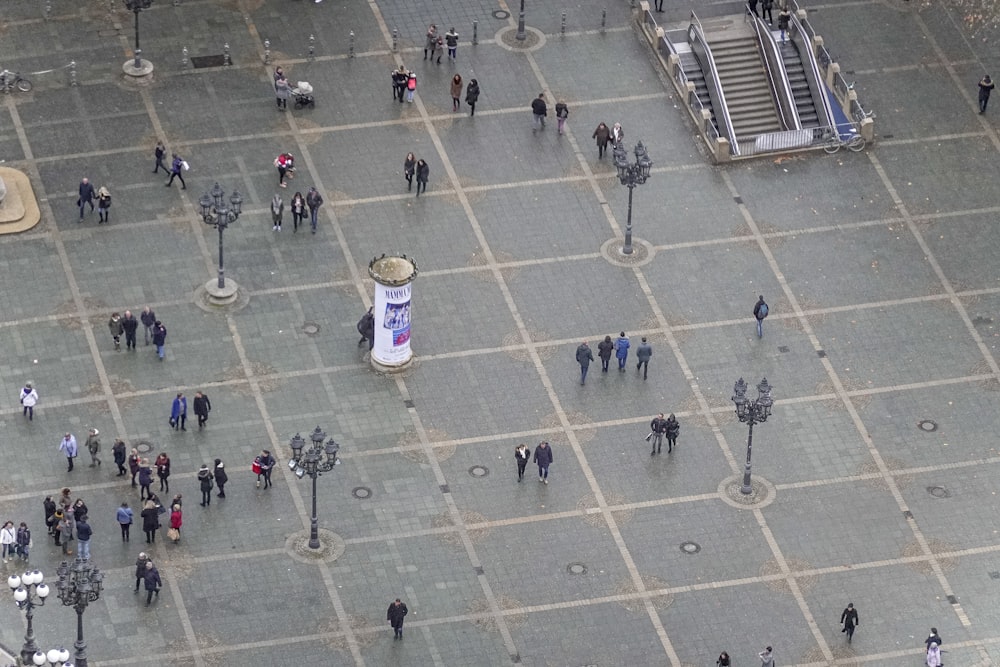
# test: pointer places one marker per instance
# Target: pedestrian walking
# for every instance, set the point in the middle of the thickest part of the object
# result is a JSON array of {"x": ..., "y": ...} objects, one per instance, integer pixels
[
  {"x": 202, "y": 406},
  {"x": 152, "y": 582},
  {"x": 145, "y": 480},
  {"x": 409, "y": 167},
  {"x": 285, "y": 164},
  {"x": 23, "y": 544},
  {"x": 543, "y": 457},
  {"x": 150, "y": 521},
  {"x": 116, "y": 329},
  {"x": 849, "y": 619},
  {"x": 49, "y": 506},
  {"x": 539, "y": 111},
  {"x": 933, "y": 655},
  {"x": 298, "y": 211},
  {"x": 129, "y": 325},
  {"x": 784, "y": 17},
  {"x": 617, "y": 135},
  {"x": 604, "y": 350},
  {"x": 760, "y": 311},
  {"x": 140, "y": 569},
  {"x": 93, "y": 445},
  {"x": 8, "y": 538},
  {"x": 313, "y": 201},
  {"x": 162, "y": 465},
  {"x": 124, "y": 517},
  {"x": 456, "y": 92},
  {"x": 399, "y": 78},
  {"x": 472, "y": 96},
  {"x": 148, "y": 319},
  {"x": 431, "y": 41},
  {"x": 179, "y": 412},
  {"x": 176, "y": 521},
  {"x": 933, "y": 638},
  {"x": 206, "y": 483},
  {"x": 767, "y": 657},
  {"x": 87, "y": 194},
  {"x": 366, "y": 327},
  {"x": 28, "y": 400},
  {"x": 621, "y": 351},
  {"x": 83, "y": 534},
  {"x": 160, "y": 339},
  {"x": 765, "y": 10},
  {"x": 176, "y": 166},
  {"x": 265, "y": 462},
  {"x": 643, "y": 353},
  {"x": 562, "y": 113},
  {"x": 397, "y": 611},
  {"x": 178, "y": 500},
  {"x": 411, "y": 86},
  {"x": 103, "y": 204},
  {"x": 673, "y": 430},
  {"x": 160, "y": 152},
  {"x": 119, "y": 454},
  {"x": 603, "y": 135},
  {"x": 986, "y": 86},
  {"x": 659, "y": 9},
  {"x": 282, "y": 91},
  {"x": 134, "y": 464},
  {"x": 423, "y": 171},
  {"x": 753, "y": 8},
  {"x": 723, "y": 660},
  {"x": 657, "y": 429},
  {"x": 69, "y": 449},
  {"x": 451, "y": 40},
  {"x": 522, "y": 455},
  {"x": 277, "y": 209},
  {"x": 583, "y": 357},
  {"x": 220, "y": 477}
]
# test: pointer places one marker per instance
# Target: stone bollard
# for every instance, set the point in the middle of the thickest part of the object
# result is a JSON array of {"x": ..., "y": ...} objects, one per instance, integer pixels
[
  {"x": 184, "y": 57},
  {"x": 351, "y": 51},
  {"x": 72, "y": 72},
  {"x": 226, "y": 59},
  {"x": 267, "y": 52},
  {"x": 395, "y": 38},
  {"x": 475, "y": 32},
  {"x": 48, "y": 9},
  {"x": 562, "y": 26},
  {"x": 312, "y": 47},
  {"x": 604, "y": 20}
]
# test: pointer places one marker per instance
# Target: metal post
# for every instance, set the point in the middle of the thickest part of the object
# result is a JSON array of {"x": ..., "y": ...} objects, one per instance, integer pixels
[
  {"x": 314, "y": 522},
  {"x": 562, "y": 26},
  {"x": 177, "y": 3},
  {"x": 312, "y": 47},
  {"x": 72, "y": 73},
  {"x": 267, "y": 52},
  {"x": 747, "y": 489},
  {"x": 80, "y": 657},
  {"x": 520, "y": 36},
  {"x": 475, "y": 32},
  {"x": 138, "y": 51},
  {"x": 226, "y": 60},
  {"x": 604, "y": 20},
  {"x": 29, "y": 648},
  {"x": 627, "y": 250},
  {"x": 395, "y": 38},
  {"x": 222, "y": 271},
  {"x": 184, "y": 57},
  {"x": 352, "y": 45}
]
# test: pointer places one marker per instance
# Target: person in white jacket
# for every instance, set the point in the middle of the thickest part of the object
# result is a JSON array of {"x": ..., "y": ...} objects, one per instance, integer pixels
[
  {"x": 7, "y": 538},
  {"x": 28, "y": 399}
]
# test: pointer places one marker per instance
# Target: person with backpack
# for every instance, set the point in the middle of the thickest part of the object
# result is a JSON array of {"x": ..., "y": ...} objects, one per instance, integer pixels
[
  {"x": 760, "y": 311},
  {"x": 175, "y": 171},
  {"x": 562, "y": 113},
  {"x": 366, "y": 327},
  {"x": 784, "y": 16},
  {"x": 206, "y": 481}
]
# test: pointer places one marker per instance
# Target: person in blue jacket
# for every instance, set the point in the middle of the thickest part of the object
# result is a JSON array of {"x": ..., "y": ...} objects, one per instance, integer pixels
[{"x": 621, "y": 351}]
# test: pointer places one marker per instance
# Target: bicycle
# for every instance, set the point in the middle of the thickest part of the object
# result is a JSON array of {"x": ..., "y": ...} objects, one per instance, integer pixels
[
  {"x": 855, "y": 143},
  {"x": 10, "y": 80}
]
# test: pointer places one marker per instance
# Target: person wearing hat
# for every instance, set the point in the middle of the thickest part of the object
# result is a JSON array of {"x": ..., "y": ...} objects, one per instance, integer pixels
[
  {"x": 986, "y": 86},
  {"x": 285, "y": 163},
  {"x": 28, "y": 399},
  {"x": 94, "y": 446},
  {"x": 140, "y": 568}
]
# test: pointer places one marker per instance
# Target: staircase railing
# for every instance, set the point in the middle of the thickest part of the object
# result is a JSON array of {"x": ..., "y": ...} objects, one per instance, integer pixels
[
  {"x": 703, "y": 52},
  {"x": 803, "y": 41},
  {"x": 781, "y": 87}
]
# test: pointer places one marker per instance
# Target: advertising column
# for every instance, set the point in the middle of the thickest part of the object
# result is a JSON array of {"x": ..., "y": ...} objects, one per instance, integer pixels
[{"x": 393, "y": 278}]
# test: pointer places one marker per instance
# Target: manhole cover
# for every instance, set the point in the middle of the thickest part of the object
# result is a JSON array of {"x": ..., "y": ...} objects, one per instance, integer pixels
[
  {"x": 994, "y": 575},
  {"x": 199, "y": 62},
  {"x": 501, "y": 14},
  {"x": 479, "y": 471},
  {"x": 143, "y": 446},
  {"x": 927, "y": 425},
  {"x": 939, "y": 492},
  {"x": 576, "y": 568},
  {"x": 362, "y": 492},
  {"x": 310, "y": 329},
  {"x": 690, "y": 547}
]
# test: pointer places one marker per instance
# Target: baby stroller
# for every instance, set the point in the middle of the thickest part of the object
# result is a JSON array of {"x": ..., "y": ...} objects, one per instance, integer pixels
[{"x": 303, "y": 95}]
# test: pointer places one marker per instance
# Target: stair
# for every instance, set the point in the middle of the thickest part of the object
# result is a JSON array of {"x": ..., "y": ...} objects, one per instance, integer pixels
[
  {"x": 745, "y": 85},
  {"x": 800, "y": 87},
  {"x": 692, "y": 70}
]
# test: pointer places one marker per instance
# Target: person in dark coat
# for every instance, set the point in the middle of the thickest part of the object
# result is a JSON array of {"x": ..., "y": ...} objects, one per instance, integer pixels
[
  {"x": 162, "y": 465},
  {"x": 522, "y": 455},
  {"x": 134, "y": 464},
  {"x": 220, "y": 477},
  {"x": 148, "y": 319},
  {"x": 176, "y": 167},
  {"x": 409, "y": 167},
  {"x": 603, "y": 135},
  {"x": 397, "y": 611},
  {"x": 765, "y": 10},
  {"x": 849, "y": 619},
  {"x": 152, "y": 582},
  {"x": 583, "y": 357},
  {"x": 313, "y": 201},
  {"x": 50, "y": 511},
  {"x": 266, "y": 462},
  {"x": 103, "y": 204},
  {"x": 116, "y": 329},
  {"x": 673, "y": 430},
  {"x": 539, "y": 110},
  {"x": 150, "y": 521},
  {"x": 202, "y": 406},
  {"x": 658, "y": 427},
  {"x": 87, "y": 195},
  {"x": 205, "y": 481},
  {"x": 118, "y": 451},
  {"x": 604, "y": 350},
  {"x": 160, "y": 339},
  {"x": 145, "y": 480},
  {"x": 472, "y": 96},
  {"x": 129, "y": 325},
  {"x": 621, "y": 351},
  {"x": 366, "y": 327},
  {"x": 160, "y": 153},
  {"x": 986, "y": 87},
  {"x": 760, "y": 311},
  {"x": 543, "y": 457},
  {"x": 643, "y": 353},
  {"x": 399, "y": 78},
  {"x": 140, "y": 569},
  {"x": 179, "y": 412},
  {"x": 423, "y": 171}
]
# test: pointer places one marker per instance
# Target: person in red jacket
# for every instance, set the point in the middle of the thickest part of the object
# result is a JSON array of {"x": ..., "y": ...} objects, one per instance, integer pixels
[{"x": 176, "y": 520}]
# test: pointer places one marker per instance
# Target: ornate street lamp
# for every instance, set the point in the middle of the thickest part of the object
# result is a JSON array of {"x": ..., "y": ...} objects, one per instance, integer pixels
[
  {"x": 750, "y": 412},
  {"x": 137, "y": 6},
  {"x": 520, "y": 36},
  {"x": 215, "y": 213},
  {"x": 631, "y": 175},
  {"x": 57, "y": 657},
  {"x": 79, "y": 585},
  {"x": 29, "y": 592},
  {"x": 311, "y": 462}
]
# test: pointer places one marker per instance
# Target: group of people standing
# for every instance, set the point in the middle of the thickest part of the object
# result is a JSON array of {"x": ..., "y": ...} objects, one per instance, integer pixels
[
  {"x": 412, "y": 167},
  {"x": 127, "y": 325},
  {"x": 299, "y": 205},
  {"x": 87, "y": 198},
  {"x": 404, "y": 86}
]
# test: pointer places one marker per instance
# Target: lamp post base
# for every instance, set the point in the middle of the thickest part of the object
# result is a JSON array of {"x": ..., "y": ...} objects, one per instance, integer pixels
[
  {"x": 223, "y": 296},
  {"x": 145, "y": 68}
]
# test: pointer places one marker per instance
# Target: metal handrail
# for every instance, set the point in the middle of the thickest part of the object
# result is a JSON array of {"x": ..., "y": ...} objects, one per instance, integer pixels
[
  {"x": 781, "y": 88},
  {"x": 696, "y": 36},
  {"x": 814, "y": 77}
]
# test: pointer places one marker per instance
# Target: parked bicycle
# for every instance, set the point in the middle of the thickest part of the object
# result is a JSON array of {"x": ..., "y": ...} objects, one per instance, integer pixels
[
  {"x": 854, "y": 143},
  {"x": 10, "y": 80}
]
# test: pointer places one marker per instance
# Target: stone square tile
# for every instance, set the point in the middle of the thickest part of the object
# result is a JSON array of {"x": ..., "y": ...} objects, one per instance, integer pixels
[
  {"x": 53, "y": 355},
  {"x": 937, "y": 497},
  {"x": 460, "y": 642},
  {"x": 470, "y": 307},
  {"x": 901, "y": 44},
  {"x": 957, "y": 245},
  {"x": 29, "y": 293},
  {"x": 974, "y": 576}
]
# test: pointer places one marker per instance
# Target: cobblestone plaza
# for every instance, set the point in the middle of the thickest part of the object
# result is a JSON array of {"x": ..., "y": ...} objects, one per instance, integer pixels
[{"x": 876, "y": 475}]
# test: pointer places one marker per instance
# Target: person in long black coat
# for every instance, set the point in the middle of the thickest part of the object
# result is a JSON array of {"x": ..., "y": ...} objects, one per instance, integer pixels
[
  {"x": 397, "y": 610},
  {"x": 220, "y": 477},
  {"x": 604, "y": 350},
  {"x": 202, "y": 406},
  {"x": 150, "y": 521}
]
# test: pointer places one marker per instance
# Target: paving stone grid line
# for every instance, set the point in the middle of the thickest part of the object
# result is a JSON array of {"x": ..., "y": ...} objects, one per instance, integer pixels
[{"x": 866, "y": 395}]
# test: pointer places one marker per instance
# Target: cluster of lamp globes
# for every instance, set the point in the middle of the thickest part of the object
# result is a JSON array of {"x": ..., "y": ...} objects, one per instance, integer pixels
[{"x": 18, "y": 584}]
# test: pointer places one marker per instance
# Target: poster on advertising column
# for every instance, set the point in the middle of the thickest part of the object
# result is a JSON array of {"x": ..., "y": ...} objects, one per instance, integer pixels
[{"x": 392, "y": 324}]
